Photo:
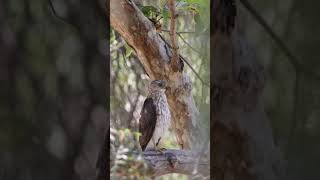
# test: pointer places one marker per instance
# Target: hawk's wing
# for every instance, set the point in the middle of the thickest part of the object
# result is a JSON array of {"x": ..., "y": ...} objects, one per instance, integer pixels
[{"x": 147, "y": 122}]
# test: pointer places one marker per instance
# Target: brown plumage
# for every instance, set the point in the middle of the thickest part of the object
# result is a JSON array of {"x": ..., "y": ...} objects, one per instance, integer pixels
[
  {"x": 155, "y": 116},
  {"x": 146, "y": 125}
]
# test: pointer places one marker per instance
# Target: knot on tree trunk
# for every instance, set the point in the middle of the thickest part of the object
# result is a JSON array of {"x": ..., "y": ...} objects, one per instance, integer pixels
[{"x": 177, "y": 65}]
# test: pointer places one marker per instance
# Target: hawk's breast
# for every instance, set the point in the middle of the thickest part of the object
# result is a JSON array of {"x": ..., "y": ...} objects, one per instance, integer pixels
[{"x": 163, "y": 116}]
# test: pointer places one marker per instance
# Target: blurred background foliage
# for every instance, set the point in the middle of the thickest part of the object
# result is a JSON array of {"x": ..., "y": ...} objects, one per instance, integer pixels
[
  {"x": 292, "y": 104},
  {"x": 53, "y": 78},
  {"x": 129, "y": 81},
  {"x": 126, "y": 160}
]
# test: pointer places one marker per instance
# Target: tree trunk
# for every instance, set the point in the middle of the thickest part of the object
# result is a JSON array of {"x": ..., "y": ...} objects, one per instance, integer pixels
[
  {"x": 155, "y": 56},
  {"x": 244, "y": 147}
]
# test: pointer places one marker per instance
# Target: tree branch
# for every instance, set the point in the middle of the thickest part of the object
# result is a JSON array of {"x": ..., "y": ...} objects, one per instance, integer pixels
[
  {"x": 175, "y": 161},
  {"x": 179, "y": 32},
  {"x": 195, "y": 50},
  {"x": 175, "y": 56},
  {"x": 187, "y": 62}
]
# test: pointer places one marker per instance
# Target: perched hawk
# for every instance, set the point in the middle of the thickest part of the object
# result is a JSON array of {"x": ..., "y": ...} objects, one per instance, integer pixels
[{"x": 155, "y": 116}]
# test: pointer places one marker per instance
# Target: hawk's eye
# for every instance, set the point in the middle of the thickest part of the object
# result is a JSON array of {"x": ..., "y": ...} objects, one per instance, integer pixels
[
  {"x": 159, "y": 83},
  {"x": 162, "y": 84}
]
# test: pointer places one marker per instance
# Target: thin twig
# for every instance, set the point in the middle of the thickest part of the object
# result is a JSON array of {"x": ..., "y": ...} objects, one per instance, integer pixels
[
  {"x": 185, "y": 60},
  {"x": 195, "y": 50},
  {"x": 122, "y": 49},
  {"x": 195, "y": 72},
  {"x": 293, "y": 59},
  {"x": 55, "y": 14},
  {"x": 180, "y": 32},
  {"x": 165, "y": 3},
  {"x": 116, "y": 46}
]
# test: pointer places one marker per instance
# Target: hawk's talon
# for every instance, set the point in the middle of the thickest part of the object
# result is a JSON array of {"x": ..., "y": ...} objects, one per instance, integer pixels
[{"x": 160, "y": 149}]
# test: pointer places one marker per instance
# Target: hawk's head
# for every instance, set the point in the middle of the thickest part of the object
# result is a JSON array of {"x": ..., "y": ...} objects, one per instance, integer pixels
[{"x": 157, "y": 85}]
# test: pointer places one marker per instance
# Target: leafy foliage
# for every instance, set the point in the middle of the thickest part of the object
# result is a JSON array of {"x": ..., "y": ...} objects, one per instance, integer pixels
[
  {"x": 126, "y": 155},
  {"x": 149, "y": 10}
]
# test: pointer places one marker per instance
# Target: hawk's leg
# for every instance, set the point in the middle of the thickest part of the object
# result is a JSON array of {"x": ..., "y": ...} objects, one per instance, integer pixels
[{"x": 157, "y": 147}]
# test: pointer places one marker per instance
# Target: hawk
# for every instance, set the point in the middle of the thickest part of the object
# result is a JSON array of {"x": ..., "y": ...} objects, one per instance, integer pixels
[{"x": 155, "y": 116}]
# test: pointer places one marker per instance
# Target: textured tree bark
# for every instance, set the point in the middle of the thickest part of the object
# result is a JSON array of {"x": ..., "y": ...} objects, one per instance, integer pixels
[
  {"x": 173, "y": 35},
  {"x": 155, "y": 57},
  {"x": 244, "y": 147},
  {"x": 176, "y": 161}
]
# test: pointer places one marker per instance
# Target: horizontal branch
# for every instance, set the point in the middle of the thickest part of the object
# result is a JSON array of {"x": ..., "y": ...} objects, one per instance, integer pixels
[{"x": 176, "y": 161}]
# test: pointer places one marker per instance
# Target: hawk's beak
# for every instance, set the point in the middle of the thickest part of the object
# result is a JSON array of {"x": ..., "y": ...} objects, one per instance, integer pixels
[{"x": 163, "y": 83}]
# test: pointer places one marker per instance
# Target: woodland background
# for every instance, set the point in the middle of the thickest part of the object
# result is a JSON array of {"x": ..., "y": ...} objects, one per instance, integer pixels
[{"x": 53, "y": 108}]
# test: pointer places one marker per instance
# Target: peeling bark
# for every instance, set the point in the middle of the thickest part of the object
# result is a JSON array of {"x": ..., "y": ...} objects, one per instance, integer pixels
[{"x": 155, "y": 55}]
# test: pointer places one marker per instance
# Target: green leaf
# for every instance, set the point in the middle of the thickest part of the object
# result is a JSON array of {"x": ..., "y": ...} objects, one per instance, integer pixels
[
  {"x": 129, "y": 50},
  {"x": 149, "y": 10},
  {"x": 165, "y": 14}
]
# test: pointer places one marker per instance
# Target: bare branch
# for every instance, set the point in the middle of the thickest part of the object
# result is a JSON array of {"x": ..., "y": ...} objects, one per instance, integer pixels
[
  {"x": 116, "y": 46},
  {"x": 175, "y": 161},
  {"x": 189, "y": 64},
  {"x": 194, "y": 71},
  {"x": 195, "y": 50},
  {"x": 179, "y": 32},
  {"x": 64, "y": 20}
]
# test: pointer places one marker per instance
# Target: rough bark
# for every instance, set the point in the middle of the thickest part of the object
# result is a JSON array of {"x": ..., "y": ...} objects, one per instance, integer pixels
[
  {"x": 155, "y": 56},
  {"x": 176, "y": 161},
  {"x": 244, "y": 147},
  {"x": 173, "y": 35}
]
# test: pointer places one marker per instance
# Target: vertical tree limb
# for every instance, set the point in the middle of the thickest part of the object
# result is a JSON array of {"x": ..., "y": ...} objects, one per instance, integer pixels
[{"x": 174, "y": 43}]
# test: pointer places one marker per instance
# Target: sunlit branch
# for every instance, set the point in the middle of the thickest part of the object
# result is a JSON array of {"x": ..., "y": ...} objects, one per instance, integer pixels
[{"x": 176, "y": 161}]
